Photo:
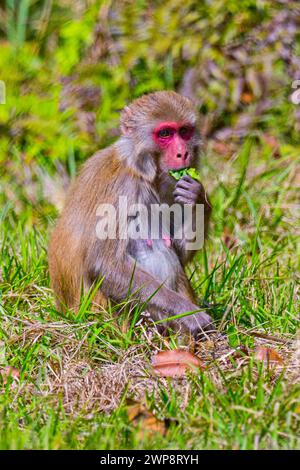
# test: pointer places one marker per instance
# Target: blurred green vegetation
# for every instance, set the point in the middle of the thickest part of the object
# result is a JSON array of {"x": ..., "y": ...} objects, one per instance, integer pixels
[{"x": 69, "y": 67}]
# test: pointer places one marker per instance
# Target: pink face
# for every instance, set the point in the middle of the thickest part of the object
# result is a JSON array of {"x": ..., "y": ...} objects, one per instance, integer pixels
[{"x": 173, "y": 139}]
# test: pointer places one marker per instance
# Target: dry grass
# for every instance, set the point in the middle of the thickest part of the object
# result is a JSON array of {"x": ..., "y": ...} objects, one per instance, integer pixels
[{"x": 89, "y": 386}]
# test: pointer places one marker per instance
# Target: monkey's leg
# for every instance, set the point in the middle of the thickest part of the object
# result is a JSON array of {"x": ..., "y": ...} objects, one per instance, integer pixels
[
  {"x": 184, "y": 288},
  {"x": 67, "y": 292},
  {"x": 99, "y": 301},
  {"x": 161, "y": 301}
]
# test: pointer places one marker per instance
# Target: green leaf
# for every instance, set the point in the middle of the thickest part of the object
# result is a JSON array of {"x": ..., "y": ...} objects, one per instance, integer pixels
[{"x": 178, "y": 174}]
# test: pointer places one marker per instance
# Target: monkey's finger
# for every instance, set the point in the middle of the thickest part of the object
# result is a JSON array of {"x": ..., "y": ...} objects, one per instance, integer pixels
[
  {"x": 198, "y": 324},
  {"x": 193, "y": 187},
  {"x": 184, "y": 201},
  {"x": 189, "y": 179},
  {"x": 186, "y": 193}
]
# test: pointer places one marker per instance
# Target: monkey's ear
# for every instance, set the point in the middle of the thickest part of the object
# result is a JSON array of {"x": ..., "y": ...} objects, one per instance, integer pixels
[
  {"x": 126, "y": 121},
  {"x": 126, "y": 131}
]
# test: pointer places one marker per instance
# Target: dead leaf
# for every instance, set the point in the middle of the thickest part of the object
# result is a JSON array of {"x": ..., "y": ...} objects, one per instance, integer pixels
[
  {"x": 241, "y": 352},
  {"x": 175, "y": 363},
  {"x": 267, "y": 355},
  {"x": 148, "y": 424},
  {"x": 152, "y": 425},
  {"x": 9, "y": 371},
  {"x": 247, "y": 97},
  {"x": 134, "y": 410}
]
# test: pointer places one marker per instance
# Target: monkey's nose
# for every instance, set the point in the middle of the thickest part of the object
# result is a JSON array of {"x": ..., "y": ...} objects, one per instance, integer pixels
[
  {"x": 178, "y": 155},
  {"x": 186, "y": 155}
]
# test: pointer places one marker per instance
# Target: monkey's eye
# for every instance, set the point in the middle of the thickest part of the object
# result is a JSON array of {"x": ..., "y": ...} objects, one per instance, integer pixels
[
  {"x": 165, "y": 133},
  {"x": 186, "y": 132}
]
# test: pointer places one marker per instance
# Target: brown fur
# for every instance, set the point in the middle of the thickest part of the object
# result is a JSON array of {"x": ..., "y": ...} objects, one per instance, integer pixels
[{"x": 131, "y": 167}]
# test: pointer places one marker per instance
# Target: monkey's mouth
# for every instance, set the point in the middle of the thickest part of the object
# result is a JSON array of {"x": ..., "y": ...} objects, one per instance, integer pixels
[{"x": 180, "y": 168}]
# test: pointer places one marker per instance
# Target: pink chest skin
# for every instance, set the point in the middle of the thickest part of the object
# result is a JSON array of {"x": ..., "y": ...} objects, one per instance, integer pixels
[
  {"x": 173, "y": 139},
  {"x": 167, "y": 241}
]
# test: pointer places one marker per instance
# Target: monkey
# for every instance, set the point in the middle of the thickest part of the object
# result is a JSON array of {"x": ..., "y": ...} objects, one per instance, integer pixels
[{"x": 159, "y": 133}]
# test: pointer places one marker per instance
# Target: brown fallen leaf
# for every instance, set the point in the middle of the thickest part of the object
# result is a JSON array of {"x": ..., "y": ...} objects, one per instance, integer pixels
[
  {"x": 149, "y": 425},
  {"x": 134, "y": 410},
  {"x": 267, "y": 355},
  {"x": 9, "y": 371},
  {"x": 241, "y": 352},
  {"x": 247, "y": 97},
  {"x": 175, "y": 363}
]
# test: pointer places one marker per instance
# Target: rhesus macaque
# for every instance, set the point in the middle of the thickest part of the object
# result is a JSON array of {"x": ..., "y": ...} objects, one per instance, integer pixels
[{"x": 159, "y": 133}]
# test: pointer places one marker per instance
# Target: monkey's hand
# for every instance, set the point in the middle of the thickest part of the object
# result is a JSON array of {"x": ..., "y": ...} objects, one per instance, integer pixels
[
  {"x": 189, "y": 191},
  {"x": 199, "y": 324}
]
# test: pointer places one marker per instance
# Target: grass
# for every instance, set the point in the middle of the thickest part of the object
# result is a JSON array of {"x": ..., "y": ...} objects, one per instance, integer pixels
[{"x": 78, "y": 375}]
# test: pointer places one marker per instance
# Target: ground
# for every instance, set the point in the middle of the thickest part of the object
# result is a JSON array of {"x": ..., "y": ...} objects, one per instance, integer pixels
[{"x": 86, "y": 381}]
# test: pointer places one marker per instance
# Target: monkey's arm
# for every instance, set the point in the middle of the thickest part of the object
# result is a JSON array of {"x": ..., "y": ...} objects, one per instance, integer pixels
[
  {"x": 191, "y": 192},
  {"x": 161, "y": 301}
]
